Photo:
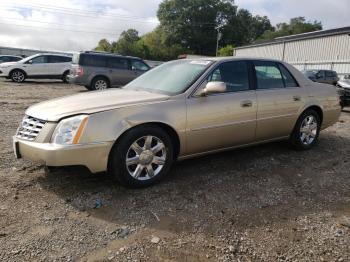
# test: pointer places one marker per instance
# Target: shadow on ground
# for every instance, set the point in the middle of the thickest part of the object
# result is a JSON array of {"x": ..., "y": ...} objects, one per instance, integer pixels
[{"x": 248, "y": 187}]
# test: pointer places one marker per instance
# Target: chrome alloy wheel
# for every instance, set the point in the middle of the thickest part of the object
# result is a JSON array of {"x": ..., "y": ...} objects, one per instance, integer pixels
[
  {"x": 101, "y": 85},
  {"x": 308, "y": 130},
  {"x": 146, "y": 157},
  {"x": 17, "y": 76}
]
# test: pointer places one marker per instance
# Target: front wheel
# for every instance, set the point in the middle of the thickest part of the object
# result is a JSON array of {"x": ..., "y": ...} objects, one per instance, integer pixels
[
  {"x": 17, "y": 76},
  {"x": 142, "y": 157},
  {"x": 306, "y": 130}
]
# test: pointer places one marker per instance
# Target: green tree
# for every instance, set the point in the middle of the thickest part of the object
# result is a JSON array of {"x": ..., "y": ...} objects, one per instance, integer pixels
[
  {"x": 226, "y": 51},
  {"x": 126, "y": 42},
  {"x": 193, "y": 24},
  {"x": 104, "y": 45},
  {"x": 297, "y": 25}
]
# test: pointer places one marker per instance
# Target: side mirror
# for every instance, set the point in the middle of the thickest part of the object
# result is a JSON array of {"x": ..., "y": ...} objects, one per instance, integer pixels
[
  {"x": 30, "y": 62},
  {"x": 214, "y": 87}
]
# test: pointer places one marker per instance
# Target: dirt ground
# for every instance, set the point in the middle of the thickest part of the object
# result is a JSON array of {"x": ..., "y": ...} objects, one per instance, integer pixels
[{"x": 265, "y": 203}]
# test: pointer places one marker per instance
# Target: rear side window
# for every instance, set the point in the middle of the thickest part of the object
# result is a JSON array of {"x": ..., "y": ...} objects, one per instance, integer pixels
[
  {"x": 59, "y": 59},
  {"x": 233, "y": 74},
  {"x": 331, "y": 74},
  {"x": 93, "y": 60},
  {"x": 268, "y": 75},
  {"x": 288, "y": 79},
  {"x": 117, "y": 62}
]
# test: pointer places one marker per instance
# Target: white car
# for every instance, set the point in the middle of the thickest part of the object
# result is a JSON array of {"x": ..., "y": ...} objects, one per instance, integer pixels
[{"x": 43, "y": 66}]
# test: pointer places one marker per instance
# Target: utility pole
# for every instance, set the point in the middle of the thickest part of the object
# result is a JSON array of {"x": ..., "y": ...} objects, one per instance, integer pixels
[{"x": 219, "y": 36}]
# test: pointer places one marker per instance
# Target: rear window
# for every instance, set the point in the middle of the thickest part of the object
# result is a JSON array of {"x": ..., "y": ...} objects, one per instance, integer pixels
[
  {"x": 75, "y": 59},
  {"x": 93, "y": 60}
]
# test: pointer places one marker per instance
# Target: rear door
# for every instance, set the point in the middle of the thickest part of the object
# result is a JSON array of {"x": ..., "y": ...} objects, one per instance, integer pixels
[
  {"x": 119, "y": 71},
  {"x": 223, "y": 120},
  {"x": 58, "y": 64},
  {"x": 279, "y": 98}
]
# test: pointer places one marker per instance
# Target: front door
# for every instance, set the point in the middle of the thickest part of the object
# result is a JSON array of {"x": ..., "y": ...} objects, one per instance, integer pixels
[
  {"x": 223, "y": 120},
  {"x": 38, "y": 66}
]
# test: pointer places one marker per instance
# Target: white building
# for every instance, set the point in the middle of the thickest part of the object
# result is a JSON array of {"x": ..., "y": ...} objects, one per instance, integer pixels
[
  {"x": 26, "y": 52},
  {"x": 325, "y": 49}
]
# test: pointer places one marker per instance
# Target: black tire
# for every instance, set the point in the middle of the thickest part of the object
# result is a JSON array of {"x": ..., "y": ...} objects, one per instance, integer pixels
[
  {"x": 296, "y": 138},
  {"x": 87, "y": 87},
  {"x": 99, "y": 81},
  {"x": 65, "y": 77},
  {"x": 18, "y": 76},
  {"x": 117, "y": 166}
]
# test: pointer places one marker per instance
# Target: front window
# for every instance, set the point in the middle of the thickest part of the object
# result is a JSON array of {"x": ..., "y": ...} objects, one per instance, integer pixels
[
  {"x": 39, "y": 60},
  {"x": 233, "y": 74},
  {"x": 139, "y": 66},
  {"x": 171, "y": 78}
]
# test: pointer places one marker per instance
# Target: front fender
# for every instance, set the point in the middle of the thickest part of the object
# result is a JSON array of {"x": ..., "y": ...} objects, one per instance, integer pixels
[{"x": 109, "y": 125}]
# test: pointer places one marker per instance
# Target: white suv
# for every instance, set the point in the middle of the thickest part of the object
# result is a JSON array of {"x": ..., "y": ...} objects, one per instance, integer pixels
[{"x": 44, "y": 66}]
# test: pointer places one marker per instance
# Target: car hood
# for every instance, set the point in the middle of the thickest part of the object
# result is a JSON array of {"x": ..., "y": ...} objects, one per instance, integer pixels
[
  {"x": 344, "y": 83},
  {"x": 91, "y": 102},
  {"x": 6, "y": 64}
]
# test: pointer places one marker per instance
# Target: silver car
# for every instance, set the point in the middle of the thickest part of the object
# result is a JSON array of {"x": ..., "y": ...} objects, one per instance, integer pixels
[{"x": 98, "y": 71}]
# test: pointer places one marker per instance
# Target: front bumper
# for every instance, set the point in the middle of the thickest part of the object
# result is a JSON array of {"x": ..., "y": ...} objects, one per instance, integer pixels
[{"x": 94, "y": 156}]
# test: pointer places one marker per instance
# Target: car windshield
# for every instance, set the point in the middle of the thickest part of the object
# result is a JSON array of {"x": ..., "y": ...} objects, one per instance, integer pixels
[
  {"x": 171, "y": 78},
  {"x": 310, "y": 72}
]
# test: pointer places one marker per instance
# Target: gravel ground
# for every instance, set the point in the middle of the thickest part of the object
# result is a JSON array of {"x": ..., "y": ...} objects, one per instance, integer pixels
[{"x": 265, "y": 203}]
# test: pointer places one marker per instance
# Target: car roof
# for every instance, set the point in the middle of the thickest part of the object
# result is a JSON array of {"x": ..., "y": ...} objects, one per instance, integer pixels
[
  {"x": 11, "y": 56},
  {"x": 234, "y": 58},
  {"x": 108, "y": 54}
]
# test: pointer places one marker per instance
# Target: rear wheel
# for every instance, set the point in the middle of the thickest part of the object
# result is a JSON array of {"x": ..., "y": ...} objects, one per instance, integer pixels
[
  {"x": 306, "y": 131},
  {"x": 142, "y": 157},
  {"x": 65, "y": 77},
  {"x": 99, "y": 83},
  {"x": 18, "y": 76}
]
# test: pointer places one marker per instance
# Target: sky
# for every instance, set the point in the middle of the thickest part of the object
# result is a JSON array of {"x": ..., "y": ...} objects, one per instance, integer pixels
[{"x": 72, "y": 25}]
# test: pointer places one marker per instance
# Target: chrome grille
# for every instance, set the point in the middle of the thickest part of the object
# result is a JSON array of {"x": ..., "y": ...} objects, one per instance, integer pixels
[{"x": 30, "y": 128}]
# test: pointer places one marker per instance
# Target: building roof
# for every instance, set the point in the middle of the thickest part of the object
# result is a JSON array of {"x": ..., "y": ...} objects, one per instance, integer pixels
[{"x": 309, "y": 35}]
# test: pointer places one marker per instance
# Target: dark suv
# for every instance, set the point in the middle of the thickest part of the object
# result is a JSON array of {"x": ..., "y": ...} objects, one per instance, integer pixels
[
  {"x": 322, "y": 76},
  {"x": 98, "y": 71}
]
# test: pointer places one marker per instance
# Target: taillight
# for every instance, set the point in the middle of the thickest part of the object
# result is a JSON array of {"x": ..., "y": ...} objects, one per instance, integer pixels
[{"x": 79, "y": 71}]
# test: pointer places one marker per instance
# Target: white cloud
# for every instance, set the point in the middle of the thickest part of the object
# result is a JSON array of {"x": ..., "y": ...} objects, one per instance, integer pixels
[
  {"x": 332, "y": 14},
  {"x": 36, "y": 24},
  {"x": 107, "y": 19}
]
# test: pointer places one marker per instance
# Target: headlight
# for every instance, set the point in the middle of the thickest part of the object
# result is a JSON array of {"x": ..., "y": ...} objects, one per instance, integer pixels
[{"x": 69, "y": 130}]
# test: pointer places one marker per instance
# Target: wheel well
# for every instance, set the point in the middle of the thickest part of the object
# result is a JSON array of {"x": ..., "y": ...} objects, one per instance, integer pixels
[
  {"x": 18, "y": 69},
  {"x": 102, "y": 76},
  {"x": 170, "y": 131},
  {"x": 67, "y": 71},
  {"x": 318, "y": 111}
]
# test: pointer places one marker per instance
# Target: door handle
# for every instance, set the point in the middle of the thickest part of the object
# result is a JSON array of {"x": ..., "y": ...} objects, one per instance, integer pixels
[
  {"x": 246, "y": 103},
  {"x": 297, "y": 98}
]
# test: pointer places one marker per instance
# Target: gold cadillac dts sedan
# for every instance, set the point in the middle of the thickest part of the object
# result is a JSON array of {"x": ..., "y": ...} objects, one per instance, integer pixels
[{"x": 178, "y": 110}]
